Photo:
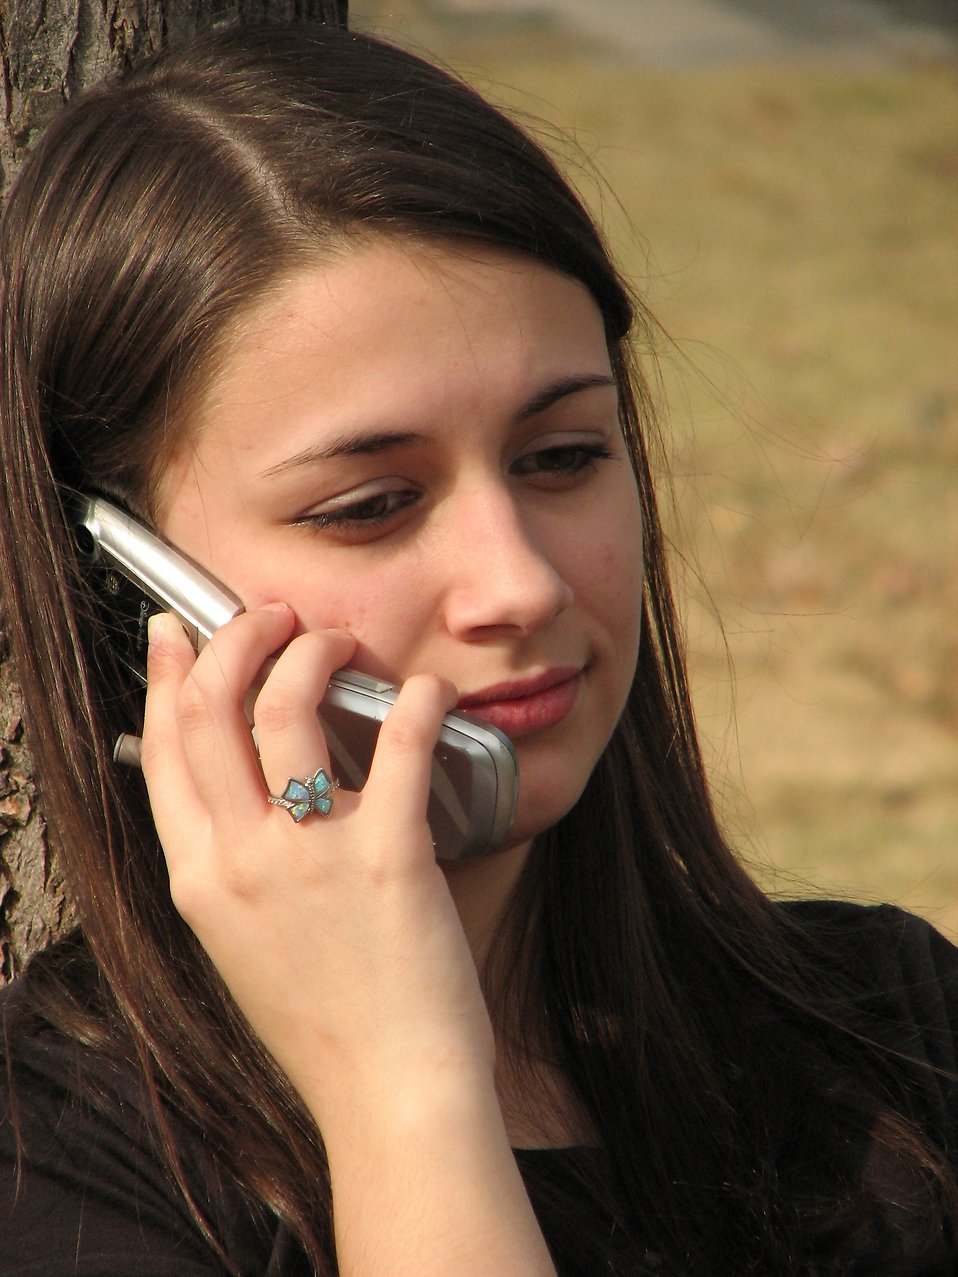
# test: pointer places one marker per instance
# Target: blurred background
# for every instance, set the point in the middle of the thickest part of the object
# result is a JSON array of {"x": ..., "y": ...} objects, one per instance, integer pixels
[{"x": 780, "y": 182}]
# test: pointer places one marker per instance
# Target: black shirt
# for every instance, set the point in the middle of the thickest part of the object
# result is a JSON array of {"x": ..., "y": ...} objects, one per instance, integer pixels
[{"x": 94, "y": 1197}]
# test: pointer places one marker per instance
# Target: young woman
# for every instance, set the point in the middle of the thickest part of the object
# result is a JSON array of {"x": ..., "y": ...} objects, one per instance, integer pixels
[{"x": 336, "y": 329}]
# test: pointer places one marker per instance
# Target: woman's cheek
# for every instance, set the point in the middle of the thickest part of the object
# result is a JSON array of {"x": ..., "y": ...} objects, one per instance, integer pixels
[{"x": 385, "y": 628}]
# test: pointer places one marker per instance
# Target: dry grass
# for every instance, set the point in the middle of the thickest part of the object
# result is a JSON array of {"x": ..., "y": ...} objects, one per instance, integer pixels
[{"x": 794, "y": 229}]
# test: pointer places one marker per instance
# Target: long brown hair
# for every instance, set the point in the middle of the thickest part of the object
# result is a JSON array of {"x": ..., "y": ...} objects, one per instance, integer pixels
[{"x": 149, "y": 218}]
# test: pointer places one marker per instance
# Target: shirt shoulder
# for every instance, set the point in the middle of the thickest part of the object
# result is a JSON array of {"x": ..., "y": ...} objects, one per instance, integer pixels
[
  {"x": 897, "y": 955},
  {"x": 902, "y": 974}
]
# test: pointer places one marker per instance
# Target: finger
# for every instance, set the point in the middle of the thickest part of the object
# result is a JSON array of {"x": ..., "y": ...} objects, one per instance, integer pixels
[
  {"x": 288, "y": 730},
  {"x": 214, "y": 730},
  {"x": 169, "y": 782},
  {"x": 398, "y": 785}
]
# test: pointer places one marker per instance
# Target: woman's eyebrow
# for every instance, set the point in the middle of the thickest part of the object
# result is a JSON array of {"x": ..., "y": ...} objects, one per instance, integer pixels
[
  {"x": 354, "y": 445},
  {"x": 364, "y": 443},
  {"x": 560, "y": 389}
]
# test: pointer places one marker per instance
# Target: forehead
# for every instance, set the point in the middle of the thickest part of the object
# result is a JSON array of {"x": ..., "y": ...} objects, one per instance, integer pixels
[{"x": 389, "y": 294}]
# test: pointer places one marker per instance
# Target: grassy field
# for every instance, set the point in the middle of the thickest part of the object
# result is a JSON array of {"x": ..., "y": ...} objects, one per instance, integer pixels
[{"x": 794, "y": 230}]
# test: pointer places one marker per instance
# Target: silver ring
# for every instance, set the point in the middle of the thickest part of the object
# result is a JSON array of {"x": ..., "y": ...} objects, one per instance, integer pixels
[{"x": 300, "y": 797}]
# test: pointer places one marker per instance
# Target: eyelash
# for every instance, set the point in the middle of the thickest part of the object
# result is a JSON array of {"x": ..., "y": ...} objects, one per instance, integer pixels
[
  {"x": 585, "y": 454},
  {"x": 349, "y": 518}
]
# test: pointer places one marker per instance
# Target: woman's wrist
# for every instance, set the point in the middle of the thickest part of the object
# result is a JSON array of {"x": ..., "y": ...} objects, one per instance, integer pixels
[{"x": 404, "y": 1099}]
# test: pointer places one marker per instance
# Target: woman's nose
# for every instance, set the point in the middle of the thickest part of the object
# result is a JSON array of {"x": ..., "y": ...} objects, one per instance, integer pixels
[{"x": 502, "y": 577}]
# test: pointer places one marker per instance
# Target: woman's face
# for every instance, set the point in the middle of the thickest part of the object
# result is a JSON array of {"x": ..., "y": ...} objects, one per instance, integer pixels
[{"x": 421, "y": 446}]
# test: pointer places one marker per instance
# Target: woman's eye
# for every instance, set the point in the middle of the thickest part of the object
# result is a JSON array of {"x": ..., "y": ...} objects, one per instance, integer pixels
[
  {"x": 562, "y": 461},
  {"x": 363, "y": 514}
]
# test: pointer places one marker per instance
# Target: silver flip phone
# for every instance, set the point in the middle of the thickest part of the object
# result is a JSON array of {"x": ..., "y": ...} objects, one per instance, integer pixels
[{"x": 135, "y": 574}]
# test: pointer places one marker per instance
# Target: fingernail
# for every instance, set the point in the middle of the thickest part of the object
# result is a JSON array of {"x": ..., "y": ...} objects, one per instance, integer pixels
[
  {"x": 159, "y": 626},
  {"x": 274, "y": 607}
]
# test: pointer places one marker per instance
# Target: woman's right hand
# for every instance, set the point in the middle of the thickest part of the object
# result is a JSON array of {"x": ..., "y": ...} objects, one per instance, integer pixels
[
  {"x": 337, "y": 936},
  {"x": 340, "y": 942}
]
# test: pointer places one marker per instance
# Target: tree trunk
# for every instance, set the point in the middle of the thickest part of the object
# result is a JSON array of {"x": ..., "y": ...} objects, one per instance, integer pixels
[{"x": 49, "y": 50}]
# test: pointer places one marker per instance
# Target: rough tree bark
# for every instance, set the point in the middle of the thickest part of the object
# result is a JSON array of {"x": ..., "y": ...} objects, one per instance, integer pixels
[{"x": 49, "y": 50}]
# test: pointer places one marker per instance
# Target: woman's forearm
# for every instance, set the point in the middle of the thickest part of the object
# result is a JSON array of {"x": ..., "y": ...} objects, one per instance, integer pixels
[{"x": 425, "y": 1185}]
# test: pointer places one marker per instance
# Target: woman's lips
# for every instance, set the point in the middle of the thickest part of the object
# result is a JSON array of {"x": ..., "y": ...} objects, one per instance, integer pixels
[{"x": 518, "y": 709}]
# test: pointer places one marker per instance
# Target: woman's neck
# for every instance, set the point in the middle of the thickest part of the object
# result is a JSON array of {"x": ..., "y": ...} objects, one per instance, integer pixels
[
  {"x": 538, "y": 1105},
  {"x": 481, "y": 887}
]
